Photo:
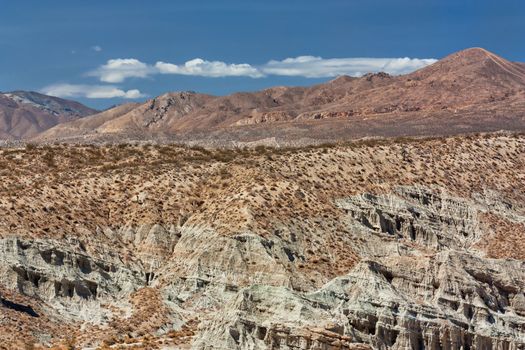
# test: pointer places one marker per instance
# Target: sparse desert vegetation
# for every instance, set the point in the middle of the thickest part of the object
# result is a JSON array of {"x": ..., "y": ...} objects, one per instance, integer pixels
[{"x": 96, "y": 196}]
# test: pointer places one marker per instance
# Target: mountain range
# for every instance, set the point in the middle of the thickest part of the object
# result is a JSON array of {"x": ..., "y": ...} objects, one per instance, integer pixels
[{"x": 472, "y": 90}]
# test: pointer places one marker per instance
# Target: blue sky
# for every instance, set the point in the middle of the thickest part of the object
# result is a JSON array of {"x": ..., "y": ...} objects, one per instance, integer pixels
[{"x": 64, "y": 47}]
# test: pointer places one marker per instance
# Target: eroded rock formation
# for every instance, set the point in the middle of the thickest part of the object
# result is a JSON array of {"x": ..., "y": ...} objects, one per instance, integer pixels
[{"x": 387, "y": 245}]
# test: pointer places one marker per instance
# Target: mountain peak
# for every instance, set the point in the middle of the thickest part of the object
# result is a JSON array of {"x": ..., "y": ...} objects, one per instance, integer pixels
[
  {"x": 478, "y": 51},
  {"x": 476, "y": 64},
  {"x": 470, "y": 56}
]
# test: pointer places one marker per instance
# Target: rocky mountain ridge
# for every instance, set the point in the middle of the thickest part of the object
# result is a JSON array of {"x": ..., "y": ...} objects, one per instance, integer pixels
[{"x": 472, "y": 90}]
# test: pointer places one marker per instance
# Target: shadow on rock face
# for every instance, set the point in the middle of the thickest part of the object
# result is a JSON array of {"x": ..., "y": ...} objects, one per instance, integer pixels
[{"x": 18, "y": 307}]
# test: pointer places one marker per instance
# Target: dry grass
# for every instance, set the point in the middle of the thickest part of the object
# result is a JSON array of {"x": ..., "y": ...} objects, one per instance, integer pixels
[
  {"x": 287, "y": 194},
  {"x": 259, "y": 190},
  {"x": 504, "y": 239}
]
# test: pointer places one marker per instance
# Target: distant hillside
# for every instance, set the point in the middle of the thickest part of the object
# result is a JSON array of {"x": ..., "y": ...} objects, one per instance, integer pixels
[
  {"x": 469, "y": 91},
  {"x": 24, "y": 114}
]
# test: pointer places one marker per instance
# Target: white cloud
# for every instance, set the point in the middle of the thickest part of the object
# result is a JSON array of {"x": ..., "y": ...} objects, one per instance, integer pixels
[
  {"x": 212, "y": 69},
  {"x": 90, "y": 91},
  {"x": 96, "y": 48},
  {"x": 117, "y": 70},
  {"x": 318, "y": 67}
]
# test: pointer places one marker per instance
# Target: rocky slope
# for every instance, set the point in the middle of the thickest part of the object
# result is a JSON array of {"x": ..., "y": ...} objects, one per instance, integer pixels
[
  {"x": 385, "y": 244},
  {"x": 469, "y": 91},
  {"x": 25, "y": 114}
]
